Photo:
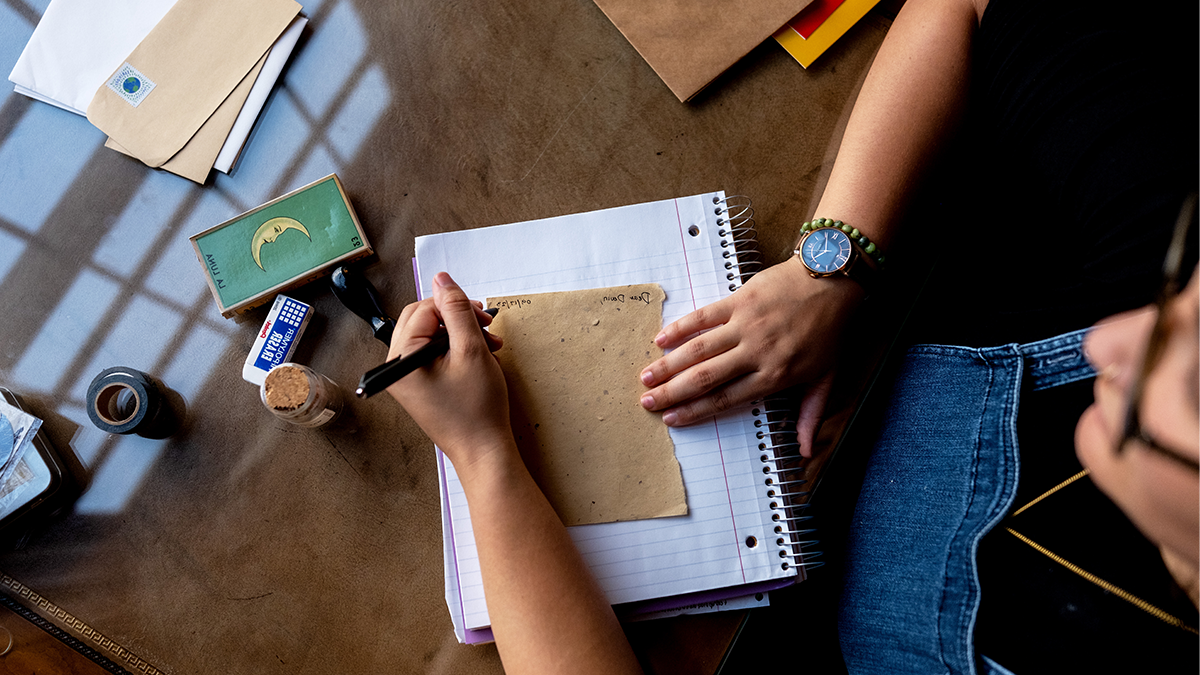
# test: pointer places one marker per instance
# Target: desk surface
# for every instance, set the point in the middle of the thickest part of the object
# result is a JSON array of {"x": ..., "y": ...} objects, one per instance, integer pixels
[{"x": 243, "y": 545}]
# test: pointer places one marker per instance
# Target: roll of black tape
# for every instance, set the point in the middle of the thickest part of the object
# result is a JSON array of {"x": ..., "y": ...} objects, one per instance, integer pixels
[{"x": 125, "y": 401}]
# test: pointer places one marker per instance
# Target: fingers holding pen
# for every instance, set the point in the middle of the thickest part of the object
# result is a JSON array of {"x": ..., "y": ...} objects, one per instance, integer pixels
[
  {"x": 457, "y": 393},
  {"x": 423, "y": 320},
  {"x": 485, "y": 319},
  {"x": 463, "y": 318},
  {"x": 417, "y": 324}
]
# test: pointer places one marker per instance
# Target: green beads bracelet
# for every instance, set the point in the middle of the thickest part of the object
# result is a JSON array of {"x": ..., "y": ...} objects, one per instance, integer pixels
[{"x": 857, "y": 237}]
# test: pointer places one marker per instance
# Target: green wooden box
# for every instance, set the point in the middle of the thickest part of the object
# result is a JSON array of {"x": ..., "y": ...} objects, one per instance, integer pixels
[{"x": 280, "y": 245}]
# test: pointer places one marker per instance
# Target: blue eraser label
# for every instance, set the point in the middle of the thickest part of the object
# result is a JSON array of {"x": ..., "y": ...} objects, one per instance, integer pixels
[{"x": 277, "y": 339}]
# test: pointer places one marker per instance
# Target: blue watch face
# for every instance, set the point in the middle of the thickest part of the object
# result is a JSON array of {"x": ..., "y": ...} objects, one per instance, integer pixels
[{"x": 825, "y": 250}]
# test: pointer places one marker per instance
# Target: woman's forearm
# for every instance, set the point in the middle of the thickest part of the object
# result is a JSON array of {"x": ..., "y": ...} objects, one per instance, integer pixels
[
  {"x": 909, "y": 105},
  {"x": 548, "y": 614}
]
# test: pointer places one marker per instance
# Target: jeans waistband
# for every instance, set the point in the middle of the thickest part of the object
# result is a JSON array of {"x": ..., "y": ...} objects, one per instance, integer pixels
[{"x": 1045, "y": 363}]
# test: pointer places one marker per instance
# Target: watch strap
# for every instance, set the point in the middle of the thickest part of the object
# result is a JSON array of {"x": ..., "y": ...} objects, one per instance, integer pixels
[{"x": 861, "y": 271}]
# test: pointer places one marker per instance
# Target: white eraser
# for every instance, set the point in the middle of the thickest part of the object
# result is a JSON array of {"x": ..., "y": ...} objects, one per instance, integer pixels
[{"x": 277, "y": 338}]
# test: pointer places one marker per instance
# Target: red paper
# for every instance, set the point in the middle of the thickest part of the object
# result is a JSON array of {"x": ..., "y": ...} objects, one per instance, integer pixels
[{"x": 813, "y": 16}]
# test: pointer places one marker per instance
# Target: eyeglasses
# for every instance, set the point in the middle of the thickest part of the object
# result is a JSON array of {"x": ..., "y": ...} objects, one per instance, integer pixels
[{"x": 1154, "y": 347}]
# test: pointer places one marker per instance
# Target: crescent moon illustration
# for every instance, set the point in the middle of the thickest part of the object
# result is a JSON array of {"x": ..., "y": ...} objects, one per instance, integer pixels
[{"x": 269, "y": 232}]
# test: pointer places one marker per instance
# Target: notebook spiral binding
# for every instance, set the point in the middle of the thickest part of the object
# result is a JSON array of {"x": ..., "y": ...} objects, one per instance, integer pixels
[{"x": 783, "y": 467}]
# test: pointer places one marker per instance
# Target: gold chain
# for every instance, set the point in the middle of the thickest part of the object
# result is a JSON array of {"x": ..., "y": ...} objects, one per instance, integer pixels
[
  {"x": 1052, "y": 490},
  {"x": 1115, "y": 590}
]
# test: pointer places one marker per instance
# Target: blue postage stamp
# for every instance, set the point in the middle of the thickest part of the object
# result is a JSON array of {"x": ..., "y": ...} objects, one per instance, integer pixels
[{"x": 131, "y": 85}]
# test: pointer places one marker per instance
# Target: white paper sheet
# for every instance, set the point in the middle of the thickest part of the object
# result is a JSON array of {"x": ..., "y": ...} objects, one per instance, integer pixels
[
  {"x": 722, "y": 472},
  {"x": 744, "y": 602}
]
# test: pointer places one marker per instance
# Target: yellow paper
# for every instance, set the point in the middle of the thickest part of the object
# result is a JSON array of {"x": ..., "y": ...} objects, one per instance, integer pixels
[
  {"x": 572, "y": 362},
  {"x": 195, "y": 57},
  {"x": 806, "y": 51}
]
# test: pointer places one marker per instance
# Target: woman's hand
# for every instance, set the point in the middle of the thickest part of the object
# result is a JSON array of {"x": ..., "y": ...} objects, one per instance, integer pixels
[
  {"x": 461, "y": 400},
  {"x": 1157, "y": 489},
  {"x": 779, "y": 330},
  {"x": 548, "y": 613}
]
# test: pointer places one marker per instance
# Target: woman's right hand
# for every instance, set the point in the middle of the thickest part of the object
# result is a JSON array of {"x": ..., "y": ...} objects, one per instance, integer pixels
[
  {"x": 547, "y": 612},
  {"x": 461, "y": 400},
  {"x": 779, "y": 330}
]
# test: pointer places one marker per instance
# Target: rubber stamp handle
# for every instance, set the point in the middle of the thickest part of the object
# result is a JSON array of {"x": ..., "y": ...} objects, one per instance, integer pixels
[{"x": 359, "y": 296}]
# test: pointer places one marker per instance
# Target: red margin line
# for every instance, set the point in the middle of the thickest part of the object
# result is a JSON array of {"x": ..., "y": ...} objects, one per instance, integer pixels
[{"x": 737, "y": 540}]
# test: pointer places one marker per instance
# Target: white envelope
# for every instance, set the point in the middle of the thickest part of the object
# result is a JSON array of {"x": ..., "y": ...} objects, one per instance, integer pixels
[{"x": 79, "y": 43}]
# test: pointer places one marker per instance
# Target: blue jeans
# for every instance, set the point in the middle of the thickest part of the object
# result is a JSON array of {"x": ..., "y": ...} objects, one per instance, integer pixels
[{"x": 943, "y": 472}]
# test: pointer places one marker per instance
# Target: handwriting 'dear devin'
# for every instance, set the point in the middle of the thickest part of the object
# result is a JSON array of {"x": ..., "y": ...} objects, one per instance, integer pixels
[{"x": 572, "y": 361}]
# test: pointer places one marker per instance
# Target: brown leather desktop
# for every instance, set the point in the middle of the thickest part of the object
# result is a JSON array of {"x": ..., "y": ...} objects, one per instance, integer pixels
[{"x": 243, "y": 544}]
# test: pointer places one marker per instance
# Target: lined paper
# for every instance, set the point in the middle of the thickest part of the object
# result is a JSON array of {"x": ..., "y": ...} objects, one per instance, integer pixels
[{"x": 719, "y": 458}]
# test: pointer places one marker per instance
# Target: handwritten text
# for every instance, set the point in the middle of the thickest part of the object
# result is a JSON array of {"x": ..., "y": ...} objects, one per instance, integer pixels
[
  {"x": 514, "y": 303},
  {"x": 643, "y": 297}
]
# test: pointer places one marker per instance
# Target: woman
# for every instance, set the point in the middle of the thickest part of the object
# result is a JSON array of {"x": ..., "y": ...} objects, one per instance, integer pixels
[
  {"x": 1149, "y": 470},
  {"x": 547, "y": 613},
  {"x": 1041, "y": 136},
  {"x": 1062, "y": 160}
]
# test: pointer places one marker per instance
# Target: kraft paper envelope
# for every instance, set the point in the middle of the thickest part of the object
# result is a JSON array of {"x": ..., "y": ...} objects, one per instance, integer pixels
[
  {"x": 195, "y": 160},
  {"x": 234, "y": 118},
  {"x": 272, "y": 67},
  {"x": 182, "y": 72},
  {"x": 690, "y": 42},
  {"x": 78, "y": 44}
]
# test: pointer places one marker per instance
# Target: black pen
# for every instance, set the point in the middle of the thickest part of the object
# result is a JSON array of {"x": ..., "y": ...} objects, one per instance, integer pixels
[{"x": 381, "y": 377}]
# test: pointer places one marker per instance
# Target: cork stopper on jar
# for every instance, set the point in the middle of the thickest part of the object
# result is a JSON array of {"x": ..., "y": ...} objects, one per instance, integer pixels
[{"x": 286, "y": 388}]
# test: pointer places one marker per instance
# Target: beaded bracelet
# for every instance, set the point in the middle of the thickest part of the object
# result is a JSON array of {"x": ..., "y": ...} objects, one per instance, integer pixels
[{"x": 857, "y": 237}]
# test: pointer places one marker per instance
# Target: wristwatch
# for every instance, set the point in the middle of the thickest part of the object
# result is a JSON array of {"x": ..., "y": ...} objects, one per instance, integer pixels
[{"x": 828, "y": 251}]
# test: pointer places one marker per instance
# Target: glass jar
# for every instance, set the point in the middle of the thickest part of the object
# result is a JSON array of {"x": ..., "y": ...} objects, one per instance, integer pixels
[{"x": 296, "y": 394}]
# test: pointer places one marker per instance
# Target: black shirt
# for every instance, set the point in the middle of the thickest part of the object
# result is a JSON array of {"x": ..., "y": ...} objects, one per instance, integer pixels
[
  {"x": 1079, "y": 146},
  {"x": 1053, "y": 211}
]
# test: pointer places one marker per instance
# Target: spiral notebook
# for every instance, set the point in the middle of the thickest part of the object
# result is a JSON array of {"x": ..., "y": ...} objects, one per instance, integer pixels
[{"x": 743, "y": 531}]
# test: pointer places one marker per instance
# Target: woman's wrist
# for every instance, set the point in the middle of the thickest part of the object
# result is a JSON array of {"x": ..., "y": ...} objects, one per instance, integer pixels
[
  {"x": 485, "y": 458},
  {"x": 829, "y": 291},
  {"x": 870, "y": 219},
  {"x": 857, "y": 237},
  {"x": 833, "y": 249}
]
